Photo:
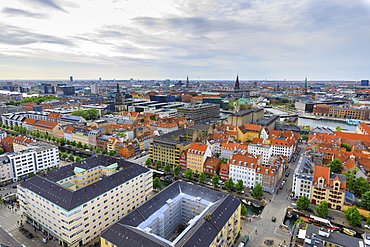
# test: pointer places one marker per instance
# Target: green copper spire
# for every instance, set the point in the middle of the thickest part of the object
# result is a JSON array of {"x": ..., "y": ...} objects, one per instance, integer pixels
[{"x": 305, "y": 82}]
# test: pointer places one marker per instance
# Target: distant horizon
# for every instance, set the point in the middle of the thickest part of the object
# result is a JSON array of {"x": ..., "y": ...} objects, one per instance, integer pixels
[{"x": 190, "y": 80}]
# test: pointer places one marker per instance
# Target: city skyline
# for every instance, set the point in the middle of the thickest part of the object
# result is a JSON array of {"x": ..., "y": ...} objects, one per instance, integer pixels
[{"x": 207, "y": 40}]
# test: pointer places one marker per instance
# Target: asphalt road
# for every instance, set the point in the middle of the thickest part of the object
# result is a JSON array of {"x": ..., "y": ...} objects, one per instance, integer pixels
[{"x": 263, "y": 228}]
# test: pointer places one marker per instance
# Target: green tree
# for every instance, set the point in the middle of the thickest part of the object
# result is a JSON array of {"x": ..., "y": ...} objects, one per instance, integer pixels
[
  {"x": 177, "y": 170},
  {"x": 167, "y": 168},
  {"x": 104, "y": 151},
  {"x": 322, "y": 210},
  {"x": 91, "y": 148},
  {"x": 229, "y": 183},
  {"x": 79, "y": 144},
  {"x": 202, "y": 177},
  {"x": 365, "y": 200},
  {"x": 301, "y": 223},
  {"x": 97, "y": 150},
  {"x": 360, "y": 186},
  {"x": 148, "y": 162},
  {"x": 368, "y": 221},
  {"x": 64, "y": 155},
  {"x": 71, "y": 157},
  {"x": 353, "y": 216},
  {"x": 350, "y": 177},
  {"x": 1, "y": 150},
  {"x": 338, "y": 129},
  {"x": 78, "y": 158},
  {"x": 335, "y": 166},
  {"x": 284, "y": 100},
  {"x": 257, "y": 191},
  {"x": 73, "y": 143},
  {"x": 215, "y": 180},
  {"x": 230, "y": 105},
  {"x": 157, "y": 183},
  {"x": 153, "y": 117},
  {"x": 304, "y": 136},
  {"x": 158, "y": 165},
  {"x": 223, "y": 161},
  {"x": 303, "y": 202},
  {"x": 85, "y": 146},
  {"x": 188, "y": 173},
  {"x": 243, "y": 210},
  {"x": 111, "y": 152},
  {"x": 239, "y": 186},
  {"x": 345, "y": 145}
]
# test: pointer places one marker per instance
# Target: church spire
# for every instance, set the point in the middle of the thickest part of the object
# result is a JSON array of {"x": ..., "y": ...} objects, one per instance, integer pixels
[
  {"x": 187, "y": 81},
  {"x": 117, "y": 88},
  {"x": 237, "y": 86}
]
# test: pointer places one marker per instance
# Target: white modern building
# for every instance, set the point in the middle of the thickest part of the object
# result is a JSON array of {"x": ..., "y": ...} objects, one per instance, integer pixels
[
  {"x": 303, "y": 177},
  {"x": 73, "y": 204},
  {"x": 36, "y": 157}
]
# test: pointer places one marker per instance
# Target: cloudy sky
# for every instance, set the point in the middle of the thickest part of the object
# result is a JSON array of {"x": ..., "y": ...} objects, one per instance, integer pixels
[{"x": 205, "y": 39}]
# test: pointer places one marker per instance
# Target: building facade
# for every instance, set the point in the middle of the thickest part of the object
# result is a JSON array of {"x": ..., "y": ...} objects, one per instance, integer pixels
[{"x": 74, "y": 204}]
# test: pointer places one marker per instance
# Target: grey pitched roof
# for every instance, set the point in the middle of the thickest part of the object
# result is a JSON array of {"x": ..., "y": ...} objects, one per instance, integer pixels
[
  {"x": 334, "y": 237},
  {"x": 201, "y": 127},
  {"x": 201, "y": 234},
  {"x": 45, "y": 185}
]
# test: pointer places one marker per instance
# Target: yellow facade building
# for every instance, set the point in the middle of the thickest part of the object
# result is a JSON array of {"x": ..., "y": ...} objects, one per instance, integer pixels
[{"x": 168, "y": 147}]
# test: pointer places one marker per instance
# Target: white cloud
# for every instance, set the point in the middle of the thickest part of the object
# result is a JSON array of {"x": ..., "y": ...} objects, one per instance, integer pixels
[{"x": 218, "y": 38}]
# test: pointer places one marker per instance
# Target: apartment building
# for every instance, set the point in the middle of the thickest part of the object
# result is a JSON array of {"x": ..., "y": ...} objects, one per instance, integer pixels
[
  {"x": 210, "y": 218},
  {"x": 75, "y": 203},
  {"x": 247, "y": 132},
  {"x": 48, "y": 128},
  {"x": 303, "y": 177},
  {"x": 262, "y": 150},
  {"x": 199, "y": 112},
  {"x": 6, "y": 171},
  {"x": 167, "y": 148},
  {"x": 229, "y": 148},
  {"x": 80, "y": 135},
  {"x": 244, "y": 167},
  {"x": 167, "y": 127},
  {"x": 329, "y": 187},
  {"x": 345, "y": 111},
  {"x": 145, "y": 139},
  {"x": 211, "y": 166},
  {"x": 246, "y": 116},
  {"x": 36, "y": 157},
  {"x": 283, "y": 146},
  {"x": 196, "y": 156}
]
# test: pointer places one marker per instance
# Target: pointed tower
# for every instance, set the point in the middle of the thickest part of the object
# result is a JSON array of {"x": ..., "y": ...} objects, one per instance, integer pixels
[
  {"x": 118, "y": 101},
  {"x": 305, "y": 85},
  {"x": 237, "y": 86},
  {"x": 187, "y": 81}
]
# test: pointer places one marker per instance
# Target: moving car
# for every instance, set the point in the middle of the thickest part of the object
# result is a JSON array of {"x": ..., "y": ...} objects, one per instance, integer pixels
[{"x": 287, "y": 174}]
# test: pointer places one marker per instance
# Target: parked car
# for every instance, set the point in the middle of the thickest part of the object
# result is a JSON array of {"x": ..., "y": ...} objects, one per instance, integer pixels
[
  {"x": 245, "y": 239},
  {"x": 367, "y": 226},
  {"x": 309, "y": 210},
  {"x": 330, "y": 217}
]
